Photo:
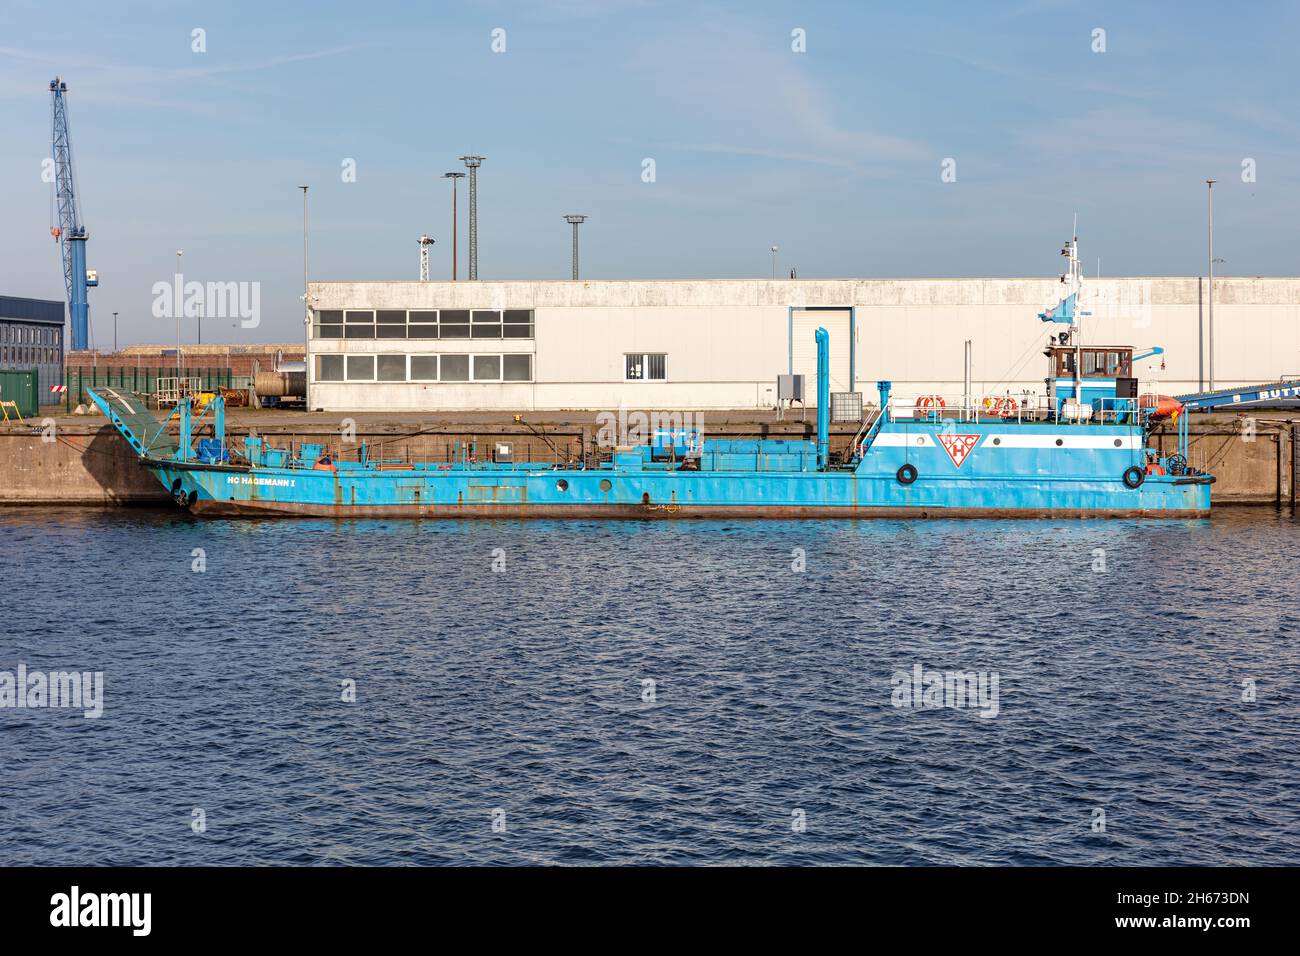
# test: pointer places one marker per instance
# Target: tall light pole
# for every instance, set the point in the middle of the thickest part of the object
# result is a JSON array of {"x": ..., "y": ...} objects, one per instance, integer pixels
[
  {"x": 179, "y": 306},
  {"x": 774, "y": 251},
  {"x": 473, "y": 162},
  {"x": 454, "y": 228},
  {"x": 1209, "y": 193},
  {"x": 575, "y": 221},
  {"x": 115, "y": 332},
  {"x": 306, "y": 307}
]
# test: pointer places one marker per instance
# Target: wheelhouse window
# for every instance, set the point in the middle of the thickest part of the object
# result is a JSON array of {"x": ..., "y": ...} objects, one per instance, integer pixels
[{"x": 646, "y": 367}]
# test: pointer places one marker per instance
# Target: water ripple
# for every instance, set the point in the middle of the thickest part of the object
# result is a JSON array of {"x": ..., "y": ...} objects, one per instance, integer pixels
[{"x": 768, "y": 735}]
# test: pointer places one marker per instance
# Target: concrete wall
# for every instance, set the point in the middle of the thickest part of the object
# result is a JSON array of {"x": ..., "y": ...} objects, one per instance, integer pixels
[{"x": 727, "y": 340}]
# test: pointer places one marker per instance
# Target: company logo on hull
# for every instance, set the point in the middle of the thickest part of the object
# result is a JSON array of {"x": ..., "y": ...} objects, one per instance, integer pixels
[{"x": 958, "y": 447}]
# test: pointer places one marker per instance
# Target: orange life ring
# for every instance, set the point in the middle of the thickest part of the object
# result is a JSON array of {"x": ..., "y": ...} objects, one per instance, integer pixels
[{"x": 930, "y": 403}]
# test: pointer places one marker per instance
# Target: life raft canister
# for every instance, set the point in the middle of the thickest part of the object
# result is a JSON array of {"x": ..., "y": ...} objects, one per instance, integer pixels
[{"x": 1162, "y": 406}]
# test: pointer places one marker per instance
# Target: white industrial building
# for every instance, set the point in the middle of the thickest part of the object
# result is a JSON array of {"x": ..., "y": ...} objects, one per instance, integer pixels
[{"x": 720, "y": 344}]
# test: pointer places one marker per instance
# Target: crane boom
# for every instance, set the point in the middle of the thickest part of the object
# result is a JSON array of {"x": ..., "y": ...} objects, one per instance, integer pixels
[{"x": 69, "y": 231}]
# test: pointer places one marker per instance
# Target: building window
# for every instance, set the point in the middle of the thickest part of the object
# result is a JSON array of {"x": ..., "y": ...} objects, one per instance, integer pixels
[
  {"x": 486, "y": 325},
  {"x": 361, "y": 368},
  {"x": 358, "y": 325},
  {"x": 517, "y": 324},
  {"x": 487, "y": 368},
  {"x": 647, "y": 367},
  {"x": 392, "y": 368},
  {"x": 455, "y": 368},
  {"x": 453, "y": 324},
  {"x": 424, "y": 368},
  {"x": 329, "y": 368},
  {"x": 390, "y": 324},
  {"x": 422, "y": 325},
  {"x": 517, "y": 368}
]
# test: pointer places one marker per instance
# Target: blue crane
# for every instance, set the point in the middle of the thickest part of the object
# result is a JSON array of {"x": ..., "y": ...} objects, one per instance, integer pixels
[{"x": 70, "y": 232}]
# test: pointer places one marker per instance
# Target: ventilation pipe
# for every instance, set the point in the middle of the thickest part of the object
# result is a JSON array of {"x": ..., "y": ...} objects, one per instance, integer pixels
[
  {"x": 823, "y": 397},
  {"x": 965, "y": 397}
]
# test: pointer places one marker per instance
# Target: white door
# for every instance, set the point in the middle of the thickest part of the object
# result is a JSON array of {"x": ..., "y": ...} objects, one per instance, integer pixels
[{"x": 806, "y": 323}]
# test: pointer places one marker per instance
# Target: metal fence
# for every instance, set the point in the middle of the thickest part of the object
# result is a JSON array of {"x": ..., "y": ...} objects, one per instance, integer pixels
[{"x": 142, "y": 380}]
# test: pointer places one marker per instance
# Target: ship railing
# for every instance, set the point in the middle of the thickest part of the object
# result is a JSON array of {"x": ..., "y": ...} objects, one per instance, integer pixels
[
  {"x": 869, "y": 427},
  {"x": 1026, "y": 407},
  {"x": 986, "y": 408}
]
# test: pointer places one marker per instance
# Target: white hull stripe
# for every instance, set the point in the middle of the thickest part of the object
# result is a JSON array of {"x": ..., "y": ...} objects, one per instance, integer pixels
[{"x": 924, "y": 440}]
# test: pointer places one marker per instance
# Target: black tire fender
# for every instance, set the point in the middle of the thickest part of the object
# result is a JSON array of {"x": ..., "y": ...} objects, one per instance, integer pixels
[
  {"x": 906, "y": 474},
  {"x": 1134, "y": 477}
]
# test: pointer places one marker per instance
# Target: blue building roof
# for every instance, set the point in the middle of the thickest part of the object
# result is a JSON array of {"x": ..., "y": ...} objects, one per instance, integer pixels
[{"x": 31, "y": 310}]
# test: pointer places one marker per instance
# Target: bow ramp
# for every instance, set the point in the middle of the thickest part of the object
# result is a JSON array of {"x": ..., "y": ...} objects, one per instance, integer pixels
[{"x": 129, "y": 413}]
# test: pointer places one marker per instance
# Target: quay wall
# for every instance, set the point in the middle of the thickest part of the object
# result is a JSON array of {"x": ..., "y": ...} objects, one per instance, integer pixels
[{"x": 83, "y": 461}]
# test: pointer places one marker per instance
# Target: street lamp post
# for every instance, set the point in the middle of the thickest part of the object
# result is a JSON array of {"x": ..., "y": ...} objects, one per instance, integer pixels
[
  {"x": 114, "y": 332},
  {"x": 454, "y": 256},
  {"x": 1209, "y": 194},
  {"x": 473, "y": 162},
  {"x": 306, "y": 308},
  {"x": 575, "y": 221},
  {"x": 774, "y": 251}
]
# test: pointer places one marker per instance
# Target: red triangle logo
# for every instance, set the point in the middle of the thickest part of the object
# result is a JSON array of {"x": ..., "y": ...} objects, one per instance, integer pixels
[{"x": 958, "y": 447}]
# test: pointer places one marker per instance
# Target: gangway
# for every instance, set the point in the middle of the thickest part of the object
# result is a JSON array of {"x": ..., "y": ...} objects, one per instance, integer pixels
[{"x": 1244, "y": 395}]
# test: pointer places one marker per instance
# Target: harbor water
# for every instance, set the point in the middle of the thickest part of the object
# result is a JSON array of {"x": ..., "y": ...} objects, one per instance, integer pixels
[{"x": 633, "y": 692}]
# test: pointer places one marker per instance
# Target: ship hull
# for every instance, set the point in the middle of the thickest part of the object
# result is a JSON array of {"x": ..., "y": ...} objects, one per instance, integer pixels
[
  {"x": 265, "y": 509},
  {"x": 1001, "y": 470}
]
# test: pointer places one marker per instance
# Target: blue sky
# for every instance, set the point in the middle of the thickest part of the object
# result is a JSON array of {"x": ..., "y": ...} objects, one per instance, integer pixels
[{"x": 833, "y": 154}]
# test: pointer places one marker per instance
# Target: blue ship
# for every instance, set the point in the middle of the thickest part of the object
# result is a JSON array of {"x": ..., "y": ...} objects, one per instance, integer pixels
[{"x": 1082, "y": 450}]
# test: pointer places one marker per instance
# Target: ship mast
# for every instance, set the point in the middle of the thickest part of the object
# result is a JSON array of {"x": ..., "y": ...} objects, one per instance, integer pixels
[{"x": 1075, "y": 285}]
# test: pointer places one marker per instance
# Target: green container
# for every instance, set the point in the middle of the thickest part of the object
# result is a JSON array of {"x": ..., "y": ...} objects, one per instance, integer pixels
[{"x": 20, "y": 387}]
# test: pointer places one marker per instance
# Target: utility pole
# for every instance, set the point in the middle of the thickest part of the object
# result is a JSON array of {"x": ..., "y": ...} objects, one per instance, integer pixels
[
  {"x": 306, "y": 307},
  {"x": 473, "y": 162},
  {"x": 1209, "y": 193},
  {"x": 575, "y": 221},
  {"x": 425, "y": 242},
  {"x": 454, "y": 228}
]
